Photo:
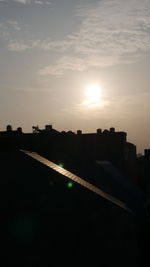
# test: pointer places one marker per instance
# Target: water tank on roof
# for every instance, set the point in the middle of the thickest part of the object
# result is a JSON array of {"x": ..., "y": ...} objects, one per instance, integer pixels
[
  {"x": 99, "y": 131},
  {"x": 105, "y": 131},
  {"x": 9, "y": 128},
  {"x": 19, "y": 130},
  {"x": 112, "y": 130}
]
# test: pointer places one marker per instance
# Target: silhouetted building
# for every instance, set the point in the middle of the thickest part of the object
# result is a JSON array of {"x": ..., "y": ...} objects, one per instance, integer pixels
[
  {"x": 81, "y": 147},
  {"x": 143, "y": 167},
  {"x": 147, "y": 154},
  {"x": 81, "y": 193}
]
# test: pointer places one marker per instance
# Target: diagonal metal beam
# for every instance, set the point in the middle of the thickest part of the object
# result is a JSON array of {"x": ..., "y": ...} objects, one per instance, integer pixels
[{"x": 76, "y": 179}]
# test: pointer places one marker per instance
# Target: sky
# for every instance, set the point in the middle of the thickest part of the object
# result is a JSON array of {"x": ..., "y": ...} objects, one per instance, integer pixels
[{"x": 76, "y": 64}]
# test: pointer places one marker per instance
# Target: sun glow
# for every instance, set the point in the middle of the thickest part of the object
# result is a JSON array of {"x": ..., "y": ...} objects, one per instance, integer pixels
[{"x": 93, "y": 95}]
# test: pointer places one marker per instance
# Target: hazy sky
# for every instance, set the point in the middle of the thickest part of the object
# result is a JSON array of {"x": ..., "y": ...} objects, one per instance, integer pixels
[{"x": 52, "y": 50}]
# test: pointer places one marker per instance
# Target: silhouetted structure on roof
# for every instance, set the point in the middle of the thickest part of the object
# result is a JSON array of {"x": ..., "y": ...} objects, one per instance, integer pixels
[
  {"x": 67, "y": 146},
  {"x": 91, "y": 202},
  {"x": 19, "y": 130},
  {"x": 9, "y": 128}
]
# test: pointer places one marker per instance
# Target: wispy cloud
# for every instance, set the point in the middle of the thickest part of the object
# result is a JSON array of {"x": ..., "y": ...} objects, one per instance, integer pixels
[
  {"x": 22, "y": 1},
  {"x": 18, "y": 47},
  {"x": 65, "y": 63},
  {"x": 14, "y": 24},
  {"x": 8, "y": 26},
  {"x": 40, "y": 2},
  {"x": 111, "y": 32},
  {"x": 46, "y": 45}
]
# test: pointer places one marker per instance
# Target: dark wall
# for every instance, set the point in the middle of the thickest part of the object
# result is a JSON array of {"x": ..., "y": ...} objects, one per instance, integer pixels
[
  {"x": 43, "y": 221},
  {"x": 110, "y": 146}
]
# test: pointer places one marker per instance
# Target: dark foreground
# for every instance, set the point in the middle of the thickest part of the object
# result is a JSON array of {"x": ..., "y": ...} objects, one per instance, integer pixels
[{"x": 46, "y": 221}]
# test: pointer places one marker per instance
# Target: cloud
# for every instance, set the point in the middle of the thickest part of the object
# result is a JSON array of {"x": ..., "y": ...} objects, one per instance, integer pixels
[
  {"x": 65, "y": 63},
  {"x": 110, "y": 32},
  {"x": 74, "y": 63},
  {"x": 9, "y": 26},
  {"x": 115, "y": 27},
  {"x": 14, "y": 24},
  {"x": 46, "y": 45},
  {"x": 18, "y": 47},
  {"x": 39, "y": 2},
  {"x": 42, "y": 2},
  {"x": 23, "y": 1}
]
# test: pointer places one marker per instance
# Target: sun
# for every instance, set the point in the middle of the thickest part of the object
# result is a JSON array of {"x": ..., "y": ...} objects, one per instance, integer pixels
[{"x": 92, "y": 95}]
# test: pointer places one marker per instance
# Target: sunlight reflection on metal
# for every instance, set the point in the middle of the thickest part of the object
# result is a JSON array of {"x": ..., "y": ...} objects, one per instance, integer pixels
[{"x": 76, "y": 179}]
